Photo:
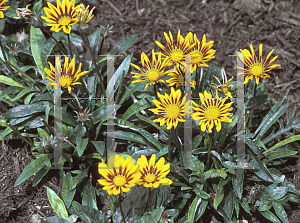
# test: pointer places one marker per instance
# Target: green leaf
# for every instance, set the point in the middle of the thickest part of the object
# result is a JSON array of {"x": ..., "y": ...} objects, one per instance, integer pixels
[
  {"x": 33, "y": 168},
  {"x": 284, "y": 142},
  {"x": 280, "y": 154},
  {"x": 150, "y": 121},
  {"x": 180, "y": 206},
  {"x": 23, "y": 92},
  {"x": 221, "y": 173},
  {"x": 123, "y": 45},
  {"x": 278, "y": 192},
  {"x": 196, "y": 165},
  {"x": 100, "y": 114},
  {"x": 132, "y": 88},
  {"x": 94, "y": 40},
  {"x": 147, "y": 135},
  {"x": 28, "y": 98},
  {"x": 39, "y": 176},
  {"x": 192, "y": 210},
  {"x": 245, "y": 205},
  {"x": 81, "y": 145},
  {"x": 202, "y": 194},
  {"x": 219, "y": 195},
  {"x": 265, "y": 206},
  {"x": 116, "y": 79},
  {"x": 236, "y": 206},
  {"x": 196, "y": 141},
  {"x": 201, "y": 209},
  {"x": 93, "y": 214},
  {"x": 100, "y": 147},
  {"x": 280, "y": 212},
  {"x": 237, "y": 182},
  {"x": 269, "y": 215},
  {"x": 43, "y": 134},
  {"x": 24, "y": 110},
  {"x": 153, "y": 216},
  {"x": 99, "y": 60},
  {"x": 66, "y": 191},
  {"x": 227, "y": 128},
  {"x": 227, "y": 204},
  {"x": 57, "y": 204},
  {"x": 9, "y": 81},
  {"x": 129, "y": 136},
  {"x": 37, "y": 40},
  {"x": 56, "y": 220},
  {"x": 88, "y": 195},
  {"x": 134, "y": 108}
]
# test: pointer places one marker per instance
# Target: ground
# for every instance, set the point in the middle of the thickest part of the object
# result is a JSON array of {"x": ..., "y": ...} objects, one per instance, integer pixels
[{"x": 232, "y": 25}]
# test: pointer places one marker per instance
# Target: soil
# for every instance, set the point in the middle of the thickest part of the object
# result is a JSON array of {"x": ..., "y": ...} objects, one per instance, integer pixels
[{"x": 232, "y": 25}]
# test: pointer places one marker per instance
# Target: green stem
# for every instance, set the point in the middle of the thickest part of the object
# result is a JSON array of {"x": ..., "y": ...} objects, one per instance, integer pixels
[
  {"x": 6, "y": 61},
  {"x": 211, "y": 136},
  {"x": 19, "y": 134},
  {"x": 85, "y": 39},
  {"x": 111, "y": 205},
  {"x": 120, "y": 87},
  {"x": 70, "y": 48},
  {"x": 253, "y": 104},
  {"x": 75, "y": 96},
  {"x": 155, "y": 92},
  {"x": 48, "y": 126},
  {"x": 150, "y": 198},
  {"x": 169, "y": 146},
  {"x": 102, "y": 42},
  {"x": 121, "y": 208}
]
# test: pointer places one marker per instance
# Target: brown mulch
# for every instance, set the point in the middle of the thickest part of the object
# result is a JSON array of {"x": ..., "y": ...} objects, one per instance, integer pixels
[{"x": 232, "y": 25}]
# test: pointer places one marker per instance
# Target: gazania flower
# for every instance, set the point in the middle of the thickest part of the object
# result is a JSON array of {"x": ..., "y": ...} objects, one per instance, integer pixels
[
  {"x": 68, "y": 75},
  {"x": 170, "y": 108},
  {"x": 3, "y": 8},
  {"x": 150, "y": 72},
  {"x": 178, "y": 77},
  {"x": 201, "y": 53},
  {"x": 176, "y": 52},
  {"x": 24, "y": 12},
  {"x": 62, "y": 16},
  {"x": 225, "y": 87},
  {"x": 83, "y": 14},
  {"x": 256, "y": 68},
  {"x": 119, "y": 174},
  {"x": 214, "y": 111},
  {"x": 153, "y": 175}
]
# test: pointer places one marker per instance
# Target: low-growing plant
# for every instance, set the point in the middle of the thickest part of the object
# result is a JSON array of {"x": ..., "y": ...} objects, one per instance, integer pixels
[{"x": 189, "y": 174}]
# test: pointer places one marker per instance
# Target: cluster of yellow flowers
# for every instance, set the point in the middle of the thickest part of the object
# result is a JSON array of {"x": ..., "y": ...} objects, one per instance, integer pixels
[
  {"x": 121, "y": 174},
  {"x": 171, "y": 109}
]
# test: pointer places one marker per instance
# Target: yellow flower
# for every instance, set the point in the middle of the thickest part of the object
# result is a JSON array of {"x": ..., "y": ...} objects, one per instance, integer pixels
[
  {"x": 150, "y": 72},
  {"x": 176, "y": 52},
  {"x": 83, "y": 14},
  {"x": 62, "y": 16},
  {"x": 225, "y": 87},
  {"x": 213, "y": 113},
  {"x": 153, "y": 175},
  {"x": 170, "y": 108},
  {"x": 3, "y": 8},
  {"x": 256, "y": 68},
  {"x": 201, "y": 52},
  {"x": 68, "y": 77},
  {"x": 24, "y": 12},
  {"x": 119, "y": 174},
  {"x": 178, "y": 77}
]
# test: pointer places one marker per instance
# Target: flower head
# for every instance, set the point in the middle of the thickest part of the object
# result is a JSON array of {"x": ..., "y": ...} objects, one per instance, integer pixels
[
  {"x": 83, "y": 14},
  {"x": 256, "y": 67},
  {"x": 225, "y": 87},
  {"x": 151, "y": 72},
  {"x": 178, "y": 77},
  {"x": 62, "y": 16},
  {"x": 170, "y": 108},
  {"x": 213, "y": 113},
  {"x": 175, "y": 53},
  {"x": 68, "y": 75},
  {"x": 152, "y": 175},
  {"x": 119, "y": 174},
  {"x": 22, "y": 36},
  {"x": 3, "y": 8},
  {"x": 201, "y": 52},
  {"x": 24, "y": 12},
  {"x": 82, "y": 115}
]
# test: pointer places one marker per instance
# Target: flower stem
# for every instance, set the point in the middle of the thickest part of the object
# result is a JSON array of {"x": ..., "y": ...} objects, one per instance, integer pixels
[
  {"x": 70, "y": 48},
  {"x": 169, "y": 146},
  {"x": 155, "y": 92},
  {"x": 102, "y": 42},
  {"x": 121, "y": 208},
  {"x": 86, "y": 40},
  {"x": 19, "y": 134},
  {"x": 150, "y": 198},
  {"x": 211, "y": 136},
  {"x": 253, "y": 104},
  {"x": 6, "y": 62},
  {"x": 120, "y": 87}
]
